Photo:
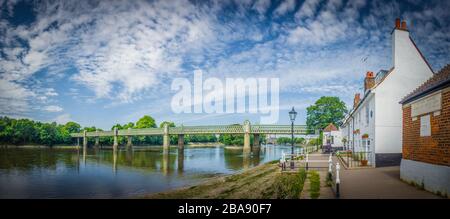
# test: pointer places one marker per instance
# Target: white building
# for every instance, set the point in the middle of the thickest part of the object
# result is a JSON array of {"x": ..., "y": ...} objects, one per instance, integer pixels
[
  {"x": 375, "y": 123},
  {"x": 332, "y": 136}
]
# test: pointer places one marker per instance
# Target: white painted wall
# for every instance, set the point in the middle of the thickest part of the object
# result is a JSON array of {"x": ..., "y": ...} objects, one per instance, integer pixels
[
  {"x": 410, "y": 71},
  {"x": 337, "y": 138}
]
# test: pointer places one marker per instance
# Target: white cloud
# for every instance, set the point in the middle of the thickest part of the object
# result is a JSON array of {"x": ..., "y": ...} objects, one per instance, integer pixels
[
  {"x": 285, "y": 7},
  {"x": 63, "y": 118},
  {"x": 261, "y": 6},
  {"x": 308, "y": 9},
  {"x": 53, "y": 108}
]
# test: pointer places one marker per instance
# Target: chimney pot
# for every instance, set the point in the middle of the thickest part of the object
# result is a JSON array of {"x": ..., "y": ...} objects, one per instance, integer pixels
[
  {"x": 404, "y": 25},
  {"x": 369, "y": 74},
  {"x": 397, "y": 23}
]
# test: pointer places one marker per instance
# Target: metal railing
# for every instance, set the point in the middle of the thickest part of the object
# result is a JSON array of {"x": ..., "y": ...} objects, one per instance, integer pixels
[
  {"x": 301, "y": 159},
  {"x": 356, "y": 159},
  {"x": 213, "y": 129}
]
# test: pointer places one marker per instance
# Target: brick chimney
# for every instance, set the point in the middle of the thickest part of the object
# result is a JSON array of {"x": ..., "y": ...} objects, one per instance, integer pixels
[
  {"x": 400, "y": 25},
  {"x": 356, "y": 100},
  {"x": 369, "y": 81}
]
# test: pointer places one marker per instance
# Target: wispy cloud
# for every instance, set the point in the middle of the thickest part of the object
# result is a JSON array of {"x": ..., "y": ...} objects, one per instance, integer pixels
[{"x": 106, "y": 54}]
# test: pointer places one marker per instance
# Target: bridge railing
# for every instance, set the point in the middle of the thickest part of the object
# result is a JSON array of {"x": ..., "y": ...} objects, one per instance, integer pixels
[
  {"x": 217, "y": 129},
  {"x": 279, "y": 129},
  {"x": 145, "y": 131}
]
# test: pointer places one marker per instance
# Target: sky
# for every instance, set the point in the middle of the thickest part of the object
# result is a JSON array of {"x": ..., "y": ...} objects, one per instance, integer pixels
[{"x": 99, "y": 63}]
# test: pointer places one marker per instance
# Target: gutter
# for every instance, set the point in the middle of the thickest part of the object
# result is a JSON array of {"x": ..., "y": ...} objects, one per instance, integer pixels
[{"x": 438, "y": 86}]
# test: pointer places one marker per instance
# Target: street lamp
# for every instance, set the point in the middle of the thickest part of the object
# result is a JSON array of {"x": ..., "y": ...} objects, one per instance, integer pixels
[{"x": 292, "y": 115}]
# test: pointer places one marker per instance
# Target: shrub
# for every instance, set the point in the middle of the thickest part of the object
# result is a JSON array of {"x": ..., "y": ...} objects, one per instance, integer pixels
[{"x": 290, "y": 185}]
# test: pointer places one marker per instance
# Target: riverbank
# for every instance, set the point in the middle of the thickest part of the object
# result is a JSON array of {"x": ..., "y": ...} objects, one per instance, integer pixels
[{"x": 261, "y": 182}]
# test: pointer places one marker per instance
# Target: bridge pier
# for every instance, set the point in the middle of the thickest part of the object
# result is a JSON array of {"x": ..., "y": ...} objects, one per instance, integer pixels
[
  {"x": 166, "y": 139},
  {"x": 84, "y": 140},
  {"x": 97, "y": 139},
  {"x": 181, "y": 142},
  {"x": 116, "y": 142},
  {"x": 247, "y": 147},
  {"x": 129, "y": 140},
  {"x": 78, "y": 143}
]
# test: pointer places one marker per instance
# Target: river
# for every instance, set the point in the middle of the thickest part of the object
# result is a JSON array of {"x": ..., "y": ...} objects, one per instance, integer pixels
[{"x": 100, "y": 173}]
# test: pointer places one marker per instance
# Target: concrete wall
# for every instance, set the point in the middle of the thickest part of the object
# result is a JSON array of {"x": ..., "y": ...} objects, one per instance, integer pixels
[{"x": 434, "y": 178}]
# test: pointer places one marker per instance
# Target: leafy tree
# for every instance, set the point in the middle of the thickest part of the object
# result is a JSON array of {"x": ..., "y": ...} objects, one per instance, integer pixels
[
  {"x": 146, "y": 122},
  {"x": 48, "y": 134},
  {"x": 171, "y": 124},
  {"x": 325, "y": 110},
  {"x": 72, "y": 127}
]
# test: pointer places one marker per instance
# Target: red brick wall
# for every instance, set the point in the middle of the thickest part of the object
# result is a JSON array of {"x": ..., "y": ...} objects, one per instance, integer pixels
[{"x": 434, "y": 149}]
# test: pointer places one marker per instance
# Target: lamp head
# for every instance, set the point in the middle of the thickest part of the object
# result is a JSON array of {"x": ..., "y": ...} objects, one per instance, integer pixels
[{"x": 292, "y": 114}]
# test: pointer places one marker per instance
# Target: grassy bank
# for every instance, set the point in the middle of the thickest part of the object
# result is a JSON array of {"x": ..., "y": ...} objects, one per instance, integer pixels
[{"x": 261, "y": 182}]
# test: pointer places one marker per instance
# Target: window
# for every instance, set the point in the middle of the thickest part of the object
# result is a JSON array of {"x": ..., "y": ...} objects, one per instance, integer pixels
[{"x": 425, "y": 126}]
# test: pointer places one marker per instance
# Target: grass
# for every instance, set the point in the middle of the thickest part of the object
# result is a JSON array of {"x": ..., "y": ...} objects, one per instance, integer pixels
[{"x": 314, "y": 180}]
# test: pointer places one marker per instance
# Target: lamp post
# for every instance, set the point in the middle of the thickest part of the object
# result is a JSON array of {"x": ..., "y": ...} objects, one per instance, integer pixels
[{"x": 292, "y": 115}]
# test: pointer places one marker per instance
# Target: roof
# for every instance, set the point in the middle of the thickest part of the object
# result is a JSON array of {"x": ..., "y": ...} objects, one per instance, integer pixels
[
  {"x": 330, "y": 128},
  {"x": 436, "y": 82}
]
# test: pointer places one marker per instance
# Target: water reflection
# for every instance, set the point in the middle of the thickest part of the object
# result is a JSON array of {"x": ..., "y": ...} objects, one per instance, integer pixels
[
  {"x": 41, "y": 173},
  {"x": 180, "y": 159}
]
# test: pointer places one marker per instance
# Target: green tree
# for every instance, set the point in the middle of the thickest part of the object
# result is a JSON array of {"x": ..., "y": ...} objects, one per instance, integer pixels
[
  {"x": 325, "y": 110},
  {"x": 72, "y": 127},
  {"x": 146, "y": 122},
  {"x": 171, "y": 124}
]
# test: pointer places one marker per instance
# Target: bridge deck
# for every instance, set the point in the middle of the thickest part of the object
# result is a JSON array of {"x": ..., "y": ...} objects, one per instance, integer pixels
[{"x": 192, "y": 130}]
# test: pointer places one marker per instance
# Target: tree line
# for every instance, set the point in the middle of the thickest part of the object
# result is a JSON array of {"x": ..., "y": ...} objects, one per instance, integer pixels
[{"x": 26, "y": 131}]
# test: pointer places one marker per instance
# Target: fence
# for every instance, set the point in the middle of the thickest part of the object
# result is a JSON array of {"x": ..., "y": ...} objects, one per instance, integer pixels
[
  {"x": 297, "y": 160},
  {"x": 356, "y": 159}
]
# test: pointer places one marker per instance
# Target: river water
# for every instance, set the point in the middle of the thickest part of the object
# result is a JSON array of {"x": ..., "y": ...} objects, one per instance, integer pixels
[{"x": 100, "y": 173}]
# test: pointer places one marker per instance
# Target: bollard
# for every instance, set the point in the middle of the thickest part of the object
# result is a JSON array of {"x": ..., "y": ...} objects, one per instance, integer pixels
[
  {"x": 330, "y": 164},
  {"x": 338, "y": 181},
  {"x": 306, "y": 162}
]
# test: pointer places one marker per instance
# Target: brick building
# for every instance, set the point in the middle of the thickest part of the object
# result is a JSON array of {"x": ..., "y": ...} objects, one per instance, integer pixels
[{"x": 426, "y": 134}]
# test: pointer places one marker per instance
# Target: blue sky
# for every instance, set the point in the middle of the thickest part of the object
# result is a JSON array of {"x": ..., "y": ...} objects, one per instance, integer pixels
[{"x": 104, "y": 62}]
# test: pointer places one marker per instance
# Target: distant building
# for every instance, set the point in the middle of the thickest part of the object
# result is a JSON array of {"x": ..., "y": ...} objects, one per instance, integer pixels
[
  {"x": 374, "y": 125},
  {"x": 332, "y": 136},
  {"x": 426, "y": 134},
  {"x": 272, "y": 138}
]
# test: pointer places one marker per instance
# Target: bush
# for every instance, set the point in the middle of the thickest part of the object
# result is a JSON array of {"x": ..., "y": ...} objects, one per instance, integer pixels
[{"x": 290, "y": 185}]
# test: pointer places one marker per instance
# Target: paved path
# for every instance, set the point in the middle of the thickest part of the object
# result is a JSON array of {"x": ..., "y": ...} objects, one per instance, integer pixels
[
  {"x": 378, "y": 183},
  {"x": 322, "y": 168}
]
